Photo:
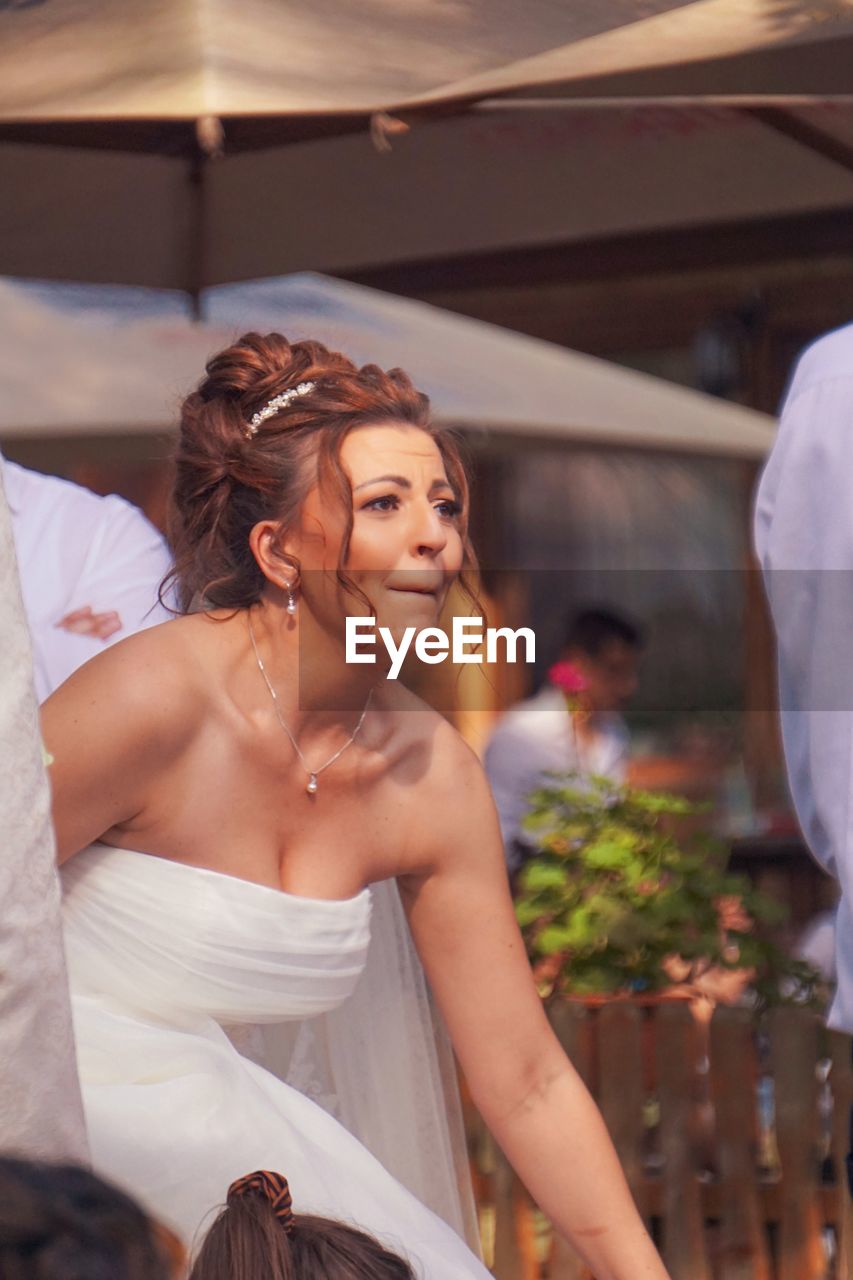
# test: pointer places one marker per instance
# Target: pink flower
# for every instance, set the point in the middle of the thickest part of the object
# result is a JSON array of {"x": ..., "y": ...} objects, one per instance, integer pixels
[{"x": 566, "y": 676}]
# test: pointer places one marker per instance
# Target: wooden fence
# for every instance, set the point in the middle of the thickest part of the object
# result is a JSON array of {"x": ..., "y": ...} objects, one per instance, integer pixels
[{"x": 732, "y": 1135}]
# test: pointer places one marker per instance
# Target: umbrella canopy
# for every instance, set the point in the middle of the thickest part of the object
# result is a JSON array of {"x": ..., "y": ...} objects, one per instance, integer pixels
[
  {"x": 487, "y": 181},
  {"x": 72, "y": 369},
  {"x": 184, "y": 59},
  {"x": 522, "y": 178},
  {"x": 184, "y": 143}
]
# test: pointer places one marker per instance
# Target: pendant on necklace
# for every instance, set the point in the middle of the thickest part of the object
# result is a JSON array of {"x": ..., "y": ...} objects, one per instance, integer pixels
[{"x": 311, "y": 787}]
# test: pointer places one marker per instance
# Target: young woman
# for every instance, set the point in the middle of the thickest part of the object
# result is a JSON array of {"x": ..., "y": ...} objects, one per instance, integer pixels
[
  {"x": 257, "y": 1235},
  {"x": 231, "y": 797}
]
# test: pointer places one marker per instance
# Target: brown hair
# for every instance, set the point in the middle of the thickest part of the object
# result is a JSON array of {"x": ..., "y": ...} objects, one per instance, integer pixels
[
  {"x": 226, "y": 481},
  {"x": 62, "y": 1222},
  {"x": 248, "y": 1242}
]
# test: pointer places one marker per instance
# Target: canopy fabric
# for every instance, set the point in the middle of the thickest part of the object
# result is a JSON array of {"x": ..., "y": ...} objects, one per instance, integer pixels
[
  {"x": 185, "y": 143},
  {"x": 488, "y": 181},
  {"x": 499, "y": 180},
  {"x": 76, "y": 367},
  {"x": 185, "y": 59},
  {"x": 89, "y": 366}
]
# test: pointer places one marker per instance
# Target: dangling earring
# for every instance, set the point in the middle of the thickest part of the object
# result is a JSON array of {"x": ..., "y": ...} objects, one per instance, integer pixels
[{"x": 291, "y": 602}]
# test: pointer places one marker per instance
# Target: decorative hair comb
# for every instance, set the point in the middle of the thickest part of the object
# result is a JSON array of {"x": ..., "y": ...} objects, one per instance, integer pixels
[{"x": 273, "y": 406}]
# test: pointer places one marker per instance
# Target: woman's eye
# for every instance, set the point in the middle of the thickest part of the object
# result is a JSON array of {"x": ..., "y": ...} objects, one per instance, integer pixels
[
  {"x": 389, "y": 502},
  {"x": 447, "y": 508}
]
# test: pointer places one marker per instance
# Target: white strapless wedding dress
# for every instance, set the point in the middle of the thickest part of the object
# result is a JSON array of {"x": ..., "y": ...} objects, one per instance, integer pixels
[{"x": 172, "y": 967}]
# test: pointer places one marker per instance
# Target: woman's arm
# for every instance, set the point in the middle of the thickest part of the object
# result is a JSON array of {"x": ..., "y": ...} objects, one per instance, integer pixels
[
  {"x": 112, "y": 728},
  {"x": 528, "y": 1092}
]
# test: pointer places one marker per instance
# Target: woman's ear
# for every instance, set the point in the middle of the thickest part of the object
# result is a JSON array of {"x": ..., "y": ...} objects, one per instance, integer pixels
[{"x": 277, "y": 563}]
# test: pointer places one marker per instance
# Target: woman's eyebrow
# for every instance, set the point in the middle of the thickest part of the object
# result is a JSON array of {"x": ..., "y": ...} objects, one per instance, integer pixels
[
  {"x": 400, "y": 480},
  {"x": 439, "y": 483}
]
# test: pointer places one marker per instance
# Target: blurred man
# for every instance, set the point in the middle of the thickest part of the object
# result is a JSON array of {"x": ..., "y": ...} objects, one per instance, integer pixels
[
  {"x": 573, "y": 725},
  {"x": 90, "y": 568}
]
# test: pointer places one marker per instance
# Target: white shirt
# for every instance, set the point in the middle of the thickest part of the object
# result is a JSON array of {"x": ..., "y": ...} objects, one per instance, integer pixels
[
  {"x": 75, "y": 549},
  {"x": 804, "y": 540},
  {"x": 816, "y": 944},
  {"x": 536, "y": 737}
]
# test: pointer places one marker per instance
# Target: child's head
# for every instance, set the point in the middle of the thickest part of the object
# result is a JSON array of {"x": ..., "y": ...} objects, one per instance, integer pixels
[
  {"x": 258, "y": 1235},
  {"x": 61, "y": 1222}
]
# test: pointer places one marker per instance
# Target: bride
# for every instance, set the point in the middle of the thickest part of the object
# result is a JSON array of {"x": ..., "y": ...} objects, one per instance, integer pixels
[{"x": 238, "y": 810}]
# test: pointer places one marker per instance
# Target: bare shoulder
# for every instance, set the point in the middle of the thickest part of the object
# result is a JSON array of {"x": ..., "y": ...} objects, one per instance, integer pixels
[
  {"x": 451, "y": 798},
  {"x": 148, "y": 679},
  {"x": 161, "y": 653},
  {"x": 456, "y": 770},
  {"x": 425, "y": 734},
  {"x": 119, "y": 724}
]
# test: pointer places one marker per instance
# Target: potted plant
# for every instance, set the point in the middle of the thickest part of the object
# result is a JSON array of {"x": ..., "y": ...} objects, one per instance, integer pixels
[{"x": 615, "y": 902}]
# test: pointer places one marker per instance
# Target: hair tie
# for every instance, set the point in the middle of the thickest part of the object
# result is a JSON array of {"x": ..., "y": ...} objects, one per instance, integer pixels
[{"x": 272, "y": 1187}]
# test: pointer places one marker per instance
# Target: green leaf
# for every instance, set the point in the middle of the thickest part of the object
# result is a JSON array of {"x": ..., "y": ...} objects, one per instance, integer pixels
[
  {"x": 543, "y": 875},
  {"x": 553, "y": 939},
  {"x": 527, "y": 913},
  {"x": 608, "y": 855},
  {"x": 593, "y": 981}
]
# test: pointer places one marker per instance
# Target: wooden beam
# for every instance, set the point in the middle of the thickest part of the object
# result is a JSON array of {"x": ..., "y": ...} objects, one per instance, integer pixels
[
  {"x": 745, "y": 241},
  {"x": 790, "y": 125}
]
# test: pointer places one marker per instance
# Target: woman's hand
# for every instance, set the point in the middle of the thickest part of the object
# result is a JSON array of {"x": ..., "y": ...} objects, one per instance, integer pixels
[{"x": 530, "y": 1095}]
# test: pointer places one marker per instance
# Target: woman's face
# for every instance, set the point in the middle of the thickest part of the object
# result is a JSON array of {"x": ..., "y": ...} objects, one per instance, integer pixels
[{"x": 405, "y": 548}]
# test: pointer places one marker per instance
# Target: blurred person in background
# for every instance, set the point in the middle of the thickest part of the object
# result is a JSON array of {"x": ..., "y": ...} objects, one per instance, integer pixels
[
  {"x": 61, "y": 1222},
  {"x": 573, "y": 725},
  {"x": 804, "y": 543},
  {"x": 90, "y": 568},
  {"x": 257, "y": 1236}
]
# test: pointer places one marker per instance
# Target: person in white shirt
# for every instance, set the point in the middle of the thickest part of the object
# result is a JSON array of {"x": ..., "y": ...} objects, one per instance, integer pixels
[
  {"x": 804, "y": 542},
  {"x": 90, "y": 569},
  {"x": 543, "y": 735}
]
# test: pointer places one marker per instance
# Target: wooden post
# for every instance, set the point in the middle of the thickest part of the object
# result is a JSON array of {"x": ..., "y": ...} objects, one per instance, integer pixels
[
  {"x": 794, "y": 1056},
  {"x": 621, "y": 1088},
  {"x": 841, "y": 1082},
  {"x": 572, "y": 1024},
  {"x": 743, "y": 1247},
  {"x": 509, "y": 1261},
  {"x": 684, "y": 1239},
  {"x": 573, "y": 1027}
]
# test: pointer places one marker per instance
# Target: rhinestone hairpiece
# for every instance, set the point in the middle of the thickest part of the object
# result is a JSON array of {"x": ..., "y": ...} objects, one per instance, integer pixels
[{"x": 277, "y": 403}]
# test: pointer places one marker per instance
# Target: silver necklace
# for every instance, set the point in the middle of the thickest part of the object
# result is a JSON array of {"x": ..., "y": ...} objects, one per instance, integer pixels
[{"x": 313, "y": 774}]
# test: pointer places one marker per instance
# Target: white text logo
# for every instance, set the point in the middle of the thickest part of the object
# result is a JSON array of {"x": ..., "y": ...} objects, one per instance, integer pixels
[{"x": 432, "y": 644}]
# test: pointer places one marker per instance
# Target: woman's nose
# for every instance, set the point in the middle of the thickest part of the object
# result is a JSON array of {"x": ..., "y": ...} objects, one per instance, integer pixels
[{"x": 429, "y": 533}]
